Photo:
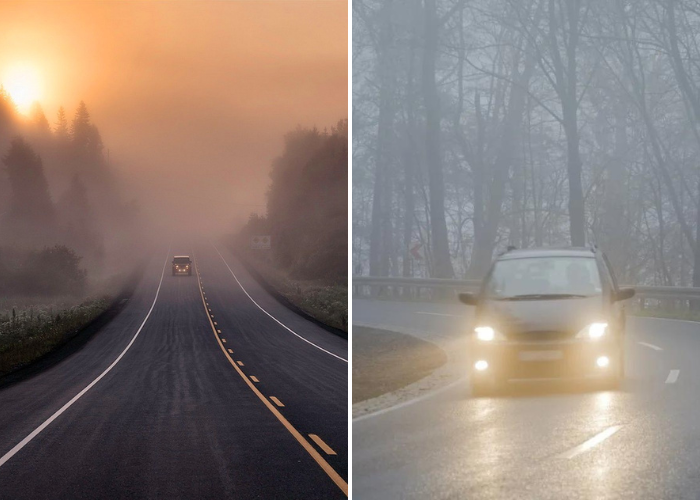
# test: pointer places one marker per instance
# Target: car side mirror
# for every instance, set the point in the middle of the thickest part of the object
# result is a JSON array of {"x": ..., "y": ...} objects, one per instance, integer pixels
[
  {"x": 624, "y": 294},
  {"x": 468, "y": 298}
]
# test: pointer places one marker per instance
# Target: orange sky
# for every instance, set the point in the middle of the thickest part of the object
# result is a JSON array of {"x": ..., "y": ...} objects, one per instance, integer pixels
[{"x": 191, "y": 97}]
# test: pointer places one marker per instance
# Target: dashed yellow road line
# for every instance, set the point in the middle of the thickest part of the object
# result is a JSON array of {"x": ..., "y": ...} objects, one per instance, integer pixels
[
  {"x": 254, "y": 379},
  {"x": 321, "y": 444},
  {"x": 218, "y": 331},
  {"x": 240, "y": 363},
  {"x": 223, "y": 340},
  {"x": 231, "y": 351},
  {"x": 276, "y": 401},
  {"x": 330, "y": 471}
]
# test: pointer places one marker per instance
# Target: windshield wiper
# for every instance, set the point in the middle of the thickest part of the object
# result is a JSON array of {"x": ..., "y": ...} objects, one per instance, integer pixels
[{"x": 542, "y": 296}]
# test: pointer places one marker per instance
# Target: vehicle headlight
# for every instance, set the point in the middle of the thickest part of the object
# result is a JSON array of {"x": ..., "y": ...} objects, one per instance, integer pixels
[
  {"x": 487, "y": 334},
  {"x": 593, "y": 331}
]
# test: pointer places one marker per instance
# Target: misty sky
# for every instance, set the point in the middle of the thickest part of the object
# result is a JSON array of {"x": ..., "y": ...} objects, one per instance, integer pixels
[{"x": 191, "y": 97}]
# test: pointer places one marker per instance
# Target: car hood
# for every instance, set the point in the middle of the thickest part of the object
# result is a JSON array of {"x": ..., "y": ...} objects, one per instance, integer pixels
[{"x": 523, "y": 316}]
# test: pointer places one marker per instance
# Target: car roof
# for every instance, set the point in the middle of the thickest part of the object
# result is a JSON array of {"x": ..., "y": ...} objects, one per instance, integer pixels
[
  {"x": 181, "y": 257},
  {"x": 548, "y": 252}
]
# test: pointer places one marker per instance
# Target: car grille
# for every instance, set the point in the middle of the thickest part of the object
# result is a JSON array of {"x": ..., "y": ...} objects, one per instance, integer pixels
[{"x": 539, "y": 336}]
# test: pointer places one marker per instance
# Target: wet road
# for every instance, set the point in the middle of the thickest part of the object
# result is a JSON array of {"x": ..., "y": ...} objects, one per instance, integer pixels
[
  {"x": 642, "y": 441},
  {"x": 196, "y": 389}
]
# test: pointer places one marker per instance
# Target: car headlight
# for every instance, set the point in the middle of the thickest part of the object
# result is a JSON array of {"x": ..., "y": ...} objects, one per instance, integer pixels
[
  {"x": 487, "y": 334},
  {"x": 593, "y": 331}
]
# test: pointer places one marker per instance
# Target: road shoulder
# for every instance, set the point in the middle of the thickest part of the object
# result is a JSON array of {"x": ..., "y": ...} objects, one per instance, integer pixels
[{"x": 447, "y": 373}]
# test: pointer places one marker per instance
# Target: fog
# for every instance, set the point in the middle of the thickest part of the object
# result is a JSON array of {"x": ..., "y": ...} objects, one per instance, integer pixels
[
  {"x": 487, "y": 124},
  {"x": 192, "y": 99}
]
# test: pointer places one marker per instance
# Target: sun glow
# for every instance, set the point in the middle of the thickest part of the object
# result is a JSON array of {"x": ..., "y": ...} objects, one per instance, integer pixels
[{"x": 23, "y": 85}]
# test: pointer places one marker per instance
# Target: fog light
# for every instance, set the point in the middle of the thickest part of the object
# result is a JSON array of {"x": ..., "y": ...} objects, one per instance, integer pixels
[
  {"x": 481, "y": 365},
  {"x": 602, "y": 361}
]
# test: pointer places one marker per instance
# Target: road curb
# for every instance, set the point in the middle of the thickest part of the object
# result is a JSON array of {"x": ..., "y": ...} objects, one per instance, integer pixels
[{"x": 444, "y": 377}]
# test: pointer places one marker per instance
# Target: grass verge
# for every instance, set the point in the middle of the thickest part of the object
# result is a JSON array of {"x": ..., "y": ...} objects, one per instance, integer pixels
[
  {"x": 324, "y": 302},
  {"x": 33, "y": 329},
  {"x": 385, "y": 361},
  {"x": 31, "y": 332}
]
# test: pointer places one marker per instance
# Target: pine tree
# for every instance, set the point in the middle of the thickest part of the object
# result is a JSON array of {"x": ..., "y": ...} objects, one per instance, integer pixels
[
  {"x": 80, "y": 127},
  {"x": 30, "y": 201},
  {"x": 61, "y": 128},
  {"x": 38, "y": 119},
  {"x": 86, "y": 143}
]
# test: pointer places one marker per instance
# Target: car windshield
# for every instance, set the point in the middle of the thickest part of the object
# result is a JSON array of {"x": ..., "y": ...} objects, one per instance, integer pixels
[
  {"x": 181, "y": 260},
  {"x": 544, "y": 277}
]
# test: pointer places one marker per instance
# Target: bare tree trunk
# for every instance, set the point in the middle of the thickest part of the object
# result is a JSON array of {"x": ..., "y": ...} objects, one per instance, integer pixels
[
  {"x": 442, "y": 264},
  {"x": 378, "y": 245}
]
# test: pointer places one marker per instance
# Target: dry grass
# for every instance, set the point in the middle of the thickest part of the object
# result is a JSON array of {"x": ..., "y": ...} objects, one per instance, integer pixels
[
  {"x": 30, "y": 332},
  {"x": 327, "y": 303},
  {"x": 384, "y": 361}
]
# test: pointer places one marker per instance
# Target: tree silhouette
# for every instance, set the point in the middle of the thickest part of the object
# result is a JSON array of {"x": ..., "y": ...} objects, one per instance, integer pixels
[
  {"x": 38, "y": 119},
  {"x": 30, "y": 202},
  {"x": 78, "y": 221},
  {"x": 61, "y": 128},
  {"x": 86, "y": 142},
  {"x": 307, "y": 204}
]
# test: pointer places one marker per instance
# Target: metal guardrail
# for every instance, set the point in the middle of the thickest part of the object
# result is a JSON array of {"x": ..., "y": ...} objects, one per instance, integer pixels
[{"x": 432, "y": 289}]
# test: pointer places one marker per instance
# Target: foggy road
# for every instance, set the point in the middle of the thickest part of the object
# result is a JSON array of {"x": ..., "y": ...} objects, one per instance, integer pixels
[
  {"x": 537, "y": 441},
  {"x": 177, "y": 410}
]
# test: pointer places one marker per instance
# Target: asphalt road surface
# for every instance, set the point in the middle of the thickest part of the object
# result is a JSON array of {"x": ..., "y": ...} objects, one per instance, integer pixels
[
  {"x": 158, "y": 404},
  {"x": 554, "y": 441}
]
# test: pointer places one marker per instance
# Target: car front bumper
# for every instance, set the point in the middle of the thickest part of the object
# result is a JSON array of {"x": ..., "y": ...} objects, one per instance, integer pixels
[{"x": 545, "y": 360}]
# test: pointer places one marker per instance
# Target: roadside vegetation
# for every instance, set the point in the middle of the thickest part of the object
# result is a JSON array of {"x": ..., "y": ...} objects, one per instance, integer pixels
[
  {"x": 60, "y": 266},
  {"x": 385, "y": 361},
  {"x": 307, "y": 220},
  {"x": 29, "y": 332}
]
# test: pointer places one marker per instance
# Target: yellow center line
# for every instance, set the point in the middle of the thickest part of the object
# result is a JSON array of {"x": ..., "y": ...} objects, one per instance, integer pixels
[
  {"x": 254, "y": 379},
  {"x": 231, "y": 351},
  {"x": 335, "y": 477},
  {"x": 240, "y": 363},
  {"x": 321, "y": 444},
  {"x": 277, "y": 401}
]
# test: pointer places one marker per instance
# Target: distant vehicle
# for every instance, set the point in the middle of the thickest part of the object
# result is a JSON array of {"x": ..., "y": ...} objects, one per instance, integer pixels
[
  {"x": 182, "y": 265},
  {"x": 548, "y": 313}
]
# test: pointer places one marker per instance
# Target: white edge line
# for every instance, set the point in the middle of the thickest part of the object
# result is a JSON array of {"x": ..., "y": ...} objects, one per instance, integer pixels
[
  {"x": 651, "y": 346},
  {"x": 7, "y": 456},
  {"x": 672, "y": 376},
  {"x": 270, "y": 315},
  {"x": 411, "y": 401},
  {"x": 594, "y": 441}
]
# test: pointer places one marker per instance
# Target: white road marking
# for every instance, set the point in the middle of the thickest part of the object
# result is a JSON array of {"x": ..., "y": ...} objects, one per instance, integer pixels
[
  {"x": 594, "y": 441},
  {"x": 672, "y": 376},
  {"x": 53, "y": 417},
  {"x": 651, "y": 346},
  {"x": 410, "y": 402},
  {"x": 439, "y": 314},
  {"x": 270, "y": 315}
]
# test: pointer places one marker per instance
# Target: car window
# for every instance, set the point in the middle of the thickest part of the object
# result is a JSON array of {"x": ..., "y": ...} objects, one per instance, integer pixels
[{"x": 544, "y": 276}]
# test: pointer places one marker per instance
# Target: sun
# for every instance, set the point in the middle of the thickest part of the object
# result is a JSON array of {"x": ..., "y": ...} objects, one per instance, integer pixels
[{"x": 23, "y": 84}]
